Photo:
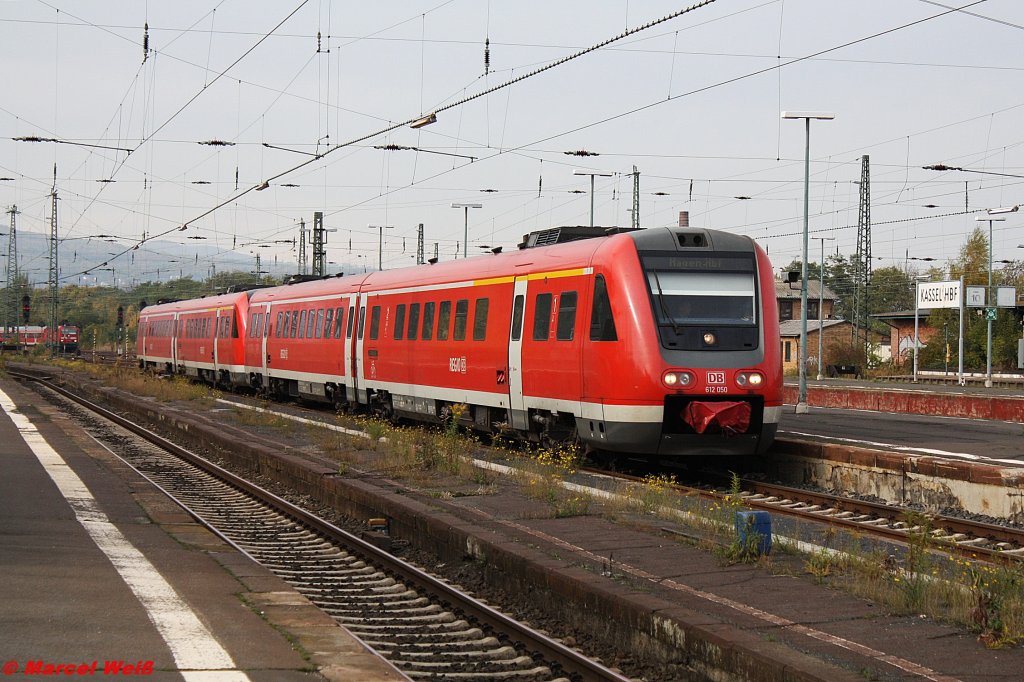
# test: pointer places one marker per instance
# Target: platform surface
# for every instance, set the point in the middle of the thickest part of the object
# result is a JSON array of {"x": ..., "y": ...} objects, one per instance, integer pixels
[{"x": 102, "y": 575}]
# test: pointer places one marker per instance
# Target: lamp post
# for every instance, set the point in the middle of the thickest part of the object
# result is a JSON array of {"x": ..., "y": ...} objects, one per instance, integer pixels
[
  {"x": 380, "y": 242},
  {"x": 990, "y": 309},
  {"x": 592, "y": 174},
  {"x": 801, "y": 405},
  {"x": 465, "y": 231},
  {"x": 821, "y": 302}
]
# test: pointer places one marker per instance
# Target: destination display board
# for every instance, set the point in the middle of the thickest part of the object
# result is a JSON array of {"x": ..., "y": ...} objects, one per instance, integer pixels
[{"x": 938, "y": 295}]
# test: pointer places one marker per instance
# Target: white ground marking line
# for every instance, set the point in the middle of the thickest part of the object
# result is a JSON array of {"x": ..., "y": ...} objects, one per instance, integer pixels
[
  {"x": 909, "y": 449},
  {"x": 779, "y": 621},
  {"x": 302, "y": 420},
  {"x": 947, "y": 417},
  {"x": 197, "y": 655}
]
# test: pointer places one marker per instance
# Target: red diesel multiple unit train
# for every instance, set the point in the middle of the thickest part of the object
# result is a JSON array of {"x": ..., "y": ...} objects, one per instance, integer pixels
[{"x": 657, "y": 341}]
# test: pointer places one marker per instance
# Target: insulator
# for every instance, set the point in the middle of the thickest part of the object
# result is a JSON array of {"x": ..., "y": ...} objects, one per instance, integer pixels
[
  {"x": 487, "y": 56},
  {"x": 318, "y": 41},
  {"x": 145, "y": 41}
]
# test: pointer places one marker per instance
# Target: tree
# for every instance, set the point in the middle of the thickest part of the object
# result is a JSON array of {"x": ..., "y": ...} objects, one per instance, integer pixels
[
  {"x": 972, "y": 264},
  {"x": 891, "y": 289}
]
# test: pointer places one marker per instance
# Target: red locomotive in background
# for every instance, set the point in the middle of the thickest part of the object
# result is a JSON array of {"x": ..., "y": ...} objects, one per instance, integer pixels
[
  {"x": 23, "y": 337},
  {"x": 657, "y": 341}
]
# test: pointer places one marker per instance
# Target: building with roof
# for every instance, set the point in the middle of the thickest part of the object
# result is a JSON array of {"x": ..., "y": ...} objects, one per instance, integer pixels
[
  {"x": 821, "y": 303},
  {"x": 901, "y": 333}
]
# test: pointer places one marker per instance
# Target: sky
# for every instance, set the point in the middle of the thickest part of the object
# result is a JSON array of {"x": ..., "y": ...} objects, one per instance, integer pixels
[{"x": 300, "y": 96}]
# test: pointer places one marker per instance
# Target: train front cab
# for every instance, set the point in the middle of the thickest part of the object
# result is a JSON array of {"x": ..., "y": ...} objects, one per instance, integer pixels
[{"x": 696, "y": 305}]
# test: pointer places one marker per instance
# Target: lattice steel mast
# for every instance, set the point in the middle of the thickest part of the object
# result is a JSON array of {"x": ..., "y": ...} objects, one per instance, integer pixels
[
  {"x": 10, "y": 295},
  {"x": 54, "y": 265},
  {"x": 302, "y": 246},
  {"x": 861, "y": 269},
  {"x": 635, "y": 222},
  {"x": 319, "y": 253}
]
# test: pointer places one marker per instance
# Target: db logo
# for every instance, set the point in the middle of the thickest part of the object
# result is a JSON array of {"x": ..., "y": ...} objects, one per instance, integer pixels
[{"x": 716, "y": 377}]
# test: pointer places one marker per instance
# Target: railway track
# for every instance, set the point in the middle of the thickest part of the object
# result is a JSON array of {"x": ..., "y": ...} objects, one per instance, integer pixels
[
  {"x": 424, "y": 626},
  {"x": 976, "y": 539},
  {"x": 967, "y": 537}
]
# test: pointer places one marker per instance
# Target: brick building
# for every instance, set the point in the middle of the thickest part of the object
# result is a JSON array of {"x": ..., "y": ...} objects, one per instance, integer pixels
[
  {"x": 790, "y": 321},
  {"x": 901, "y": 333}
]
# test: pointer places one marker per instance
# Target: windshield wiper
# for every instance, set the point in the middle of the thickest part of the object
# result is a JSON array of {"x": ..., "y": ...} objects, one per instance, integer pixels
[{"x": 661, "y": 301}]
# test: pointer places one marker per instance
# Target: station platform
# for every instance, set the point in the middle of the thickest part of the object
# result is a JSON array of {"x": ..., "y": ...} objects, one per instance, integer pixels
[{"x": 103, "y": 575}]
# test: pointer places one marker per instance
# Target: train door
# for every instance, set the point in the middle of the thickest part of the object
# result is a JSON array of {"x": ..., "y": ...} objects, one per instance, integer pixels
[
  {"x": 264, "y": 356},
  {"x": 217, "y": 336},
  {"x": 354, "y": 366},
  {"x": 517, "y": 405},
  {"x": 175, "y": 351}
]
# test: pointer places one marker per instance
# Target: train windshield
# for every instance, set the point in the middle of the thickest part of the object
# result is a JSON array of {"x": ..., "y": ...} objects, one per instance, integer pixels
[{"x": 687, "y": 298}]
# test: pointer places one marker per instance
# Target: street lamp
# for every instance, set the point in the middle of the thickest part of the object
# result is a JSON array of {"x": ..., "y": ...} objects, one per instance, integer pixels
[
  {"x": 592, "y": 174},
  {"x": 990, "y": 310},
  {"x": 380, "y": 242},
  {"x": 465, "y": 238},
  {"x": 801, "y": 405},
  {"x": 821, "y": 302}
]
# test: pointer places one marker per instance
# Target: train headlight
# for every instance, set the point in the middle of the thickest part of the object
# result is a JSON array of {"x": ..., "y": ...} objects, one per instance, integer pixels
[
  {"x": 709, "y": 339},
  {"x": 678, "y": 379},
  {"x": 749, "y": 379}
]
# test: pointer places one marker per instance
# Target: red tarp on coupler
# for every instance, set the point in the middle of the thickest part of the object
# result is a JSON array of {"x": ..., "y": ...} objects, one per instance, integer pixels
[{"x": 729, "y": 418}]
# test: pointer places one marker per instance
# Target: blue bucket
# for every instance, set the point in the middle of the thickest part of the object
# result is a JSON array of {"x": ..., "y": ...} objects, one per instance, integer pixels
[{"x": 749, "y": 523}]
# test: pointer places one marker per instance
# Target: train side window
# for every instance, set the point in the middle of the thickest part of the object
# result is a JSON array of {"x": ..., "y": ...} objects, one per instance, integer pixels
[
  {"x": 302, "y": 324},
  {"x": 374, "y": 323},
  {"x": 339, "y": 315},
  {"x": 260, "y": 317},
  {"x": 428, "y": 321},
  {"x": 602, "y": 324},
  {"x": 328, "y": 321},
  {"x": 295, "y": 324},
  {"x": 461, "y": 315},
  {"x": 310, "y": 323},
  {"x": 252, "y": 325},
  {"x": 362, "y": 319},
  {"x": 282, "y": 320},
  {"x": 266, "y": 325},
  {"x": 351, "y": 320},
  {"x": 443, "y": 319},
  {"x": 542, "y": 317},
  {"x": 399, "y": 321},
  {"x": 414, "y": 321},
  {"x": 480, "y": 318},
  {"x": 320, "y": 323},
  {"x": 566, "y": 316},
  {"x": 517, "y": 317}
]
